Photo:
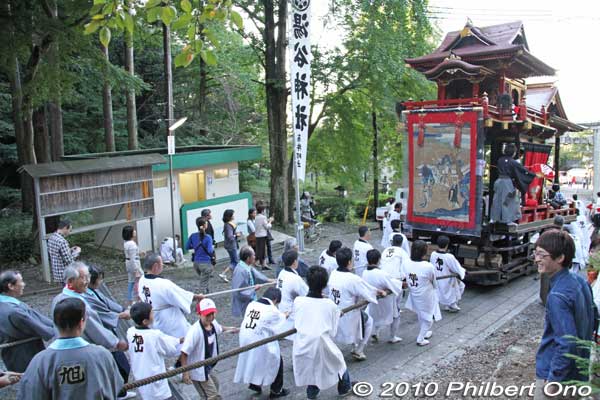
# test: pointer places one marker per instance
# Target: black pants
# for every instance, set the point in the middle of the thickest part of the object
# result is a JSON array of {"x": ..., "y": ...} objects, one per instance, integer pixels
[
  {"x": 261, "y": 244},
  {"x": 269, "y": 251},
  {"x": 122, "y": 364},
  {"x": 277, "y": 384}
]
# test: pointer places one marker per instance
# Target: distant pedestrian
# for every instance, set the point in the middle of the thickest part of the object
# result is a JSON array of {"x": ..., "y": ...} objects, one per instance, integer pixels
[
  {"x": 262, "y": 224},
  {"x": 207, "y": 215},
  {"x": 61, "y": 255},
  {"x": 201, "y": 243},
  {"x": 251, "y": 238},
  {"x": 569, "y": 314},
  {"x": 245, "y": 275},
  {"x": 231, "y": 242},
  {"x": 132, "y": 262}
]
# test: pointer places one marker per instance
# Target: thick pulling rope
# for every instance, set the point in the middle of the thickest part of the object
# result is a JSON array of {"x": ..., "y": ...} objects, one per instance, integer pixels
[
  {"x": 18, "y": 342},
  {"x": 227, "y": 354}
]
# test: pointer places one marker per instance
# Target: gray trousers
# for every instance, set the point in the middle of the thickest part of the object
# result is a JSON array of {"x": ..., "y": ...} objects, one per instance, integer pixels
[{"x": 204, "y": 271}]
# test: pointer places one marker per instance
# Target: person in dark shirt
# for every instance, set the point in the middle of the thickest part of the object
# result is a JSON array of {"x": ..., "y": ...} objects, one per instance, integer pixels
[{"x": 505, "y": 205}]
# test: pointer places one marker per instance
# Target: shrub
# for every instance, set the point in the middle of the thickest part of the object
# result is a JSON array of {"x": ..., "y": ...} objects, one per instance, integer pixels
[
  {"x": 16, "y": 243},
  {"x": 359, "y": 207},
  {"x": 332, "y": 209},
  {"x": 9, "y": 196}
]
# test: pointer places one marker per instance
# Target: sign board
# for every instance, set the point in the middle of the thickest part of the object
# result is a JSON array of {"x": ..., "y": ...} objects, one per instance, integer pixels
[
  {"x": 300, "y": 58},
  {"x": 171, "y": 144}
]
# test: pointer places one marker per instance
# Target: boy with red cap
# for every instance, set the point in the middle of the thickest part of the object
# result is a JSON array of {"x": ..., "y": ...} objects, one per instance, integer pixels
[{"x": 200, "y": 344}]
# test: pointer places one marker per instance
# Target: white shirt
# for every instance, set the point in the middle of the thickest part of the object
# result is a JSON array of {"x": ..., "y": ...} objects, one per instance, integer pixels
[
  {"x": 449, "y": 290},
  {"x": 392, "y": 260},
  {"x": 316, "y": 358},
  {"x": 384, "y": 312},
  {"x": 291, "y": 286},
  {"x": 361, "y": 248},
  {"x": 259, "y": 366},
  {"x": 346, "y": 289},
  {"x": 169, "y": 302},
  {"x": 423, "y": 297},
  {"x": 328, "y": 262},
  {"x": 148, "y": 349},
  {"x": 193, "y": 346},
  {"x": 405, "y": 242}
]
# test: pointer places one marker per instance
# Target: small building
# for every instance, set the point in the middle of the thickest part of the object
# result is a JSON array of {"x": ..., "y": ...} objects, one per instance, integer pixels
[{"x": 203, "y": 177}]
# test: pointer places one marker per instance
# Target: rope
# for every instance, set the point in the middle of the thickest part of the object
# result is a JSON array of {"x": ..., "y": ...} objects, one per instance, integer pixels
[
  {"x": 18, "y": 342},
  {"x": 238, "y": 289}
]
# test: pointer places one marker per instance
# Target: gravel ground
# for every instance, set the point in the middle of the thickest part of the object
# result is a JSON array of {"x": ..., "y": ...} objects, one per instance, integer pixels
[{"x": 507, "y": 356}]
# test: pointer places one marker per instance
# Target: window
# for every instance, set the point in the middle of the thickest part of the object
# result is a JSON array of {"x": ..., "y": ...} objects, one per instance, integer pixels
[
  {"x": 221, "y": 173},
  {"x": 192, "y": 186},
  {"x": 160, "y": 182}
]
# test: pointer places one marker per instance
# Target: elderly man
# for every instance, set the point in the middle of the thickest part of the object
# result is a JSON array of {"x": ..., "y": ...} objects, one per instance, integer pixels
[
  {"x": 59, "y": 251},
  {"x": 77, "y": 278},
  {"x": 569, "y": 314},
  {"x": 244, "y": 275},
  {"x": 71, "y": 368},
  {"x": 18, "y": 321},
  {"x": 170, "y": 303}
]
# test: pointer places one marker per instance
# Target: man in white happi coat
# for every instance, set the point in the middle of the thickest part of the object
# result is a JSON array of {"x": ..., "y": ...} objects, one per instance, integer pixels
[
  {"x": 327, "y": 257},
  {"x": 393, "y": 215},
  {"x": 346, "y": 289},
  {"x": 361, "y": 246},
  {"x": 170, "y": 303},
  {"x": 386, "y": 311},
  {"x": 422, "y": 286},
  {"x": 317, "y": 361},
  {"x": 262, "y": 365},
  {"x": 291, "y": 286},
  {"x": 396, "y": 232},
  {"x": 449, "y": 290}
]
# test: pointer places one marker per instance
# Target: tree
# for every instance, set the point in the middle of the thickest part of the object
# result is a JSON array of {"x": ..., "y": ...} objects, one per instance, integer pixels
[{"x": 132, "y": 133}]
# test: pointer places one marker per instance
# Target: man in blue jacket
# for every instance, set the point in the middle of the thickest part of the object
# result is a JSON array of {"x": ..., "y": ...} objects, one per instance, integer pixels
[{"x": 569, "y": 313}]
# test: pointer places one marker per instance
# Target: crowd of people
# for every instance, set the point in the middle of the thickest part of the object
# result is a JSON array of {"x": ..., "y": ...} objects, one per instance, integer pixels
[{"x": 86, "y": 357}]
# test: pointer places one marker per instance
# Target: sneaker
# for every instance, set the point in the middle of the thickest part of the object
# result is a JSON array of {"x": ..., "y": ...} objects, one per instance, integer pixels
[
  {"x": 359, "y": 356},
  {"x": 450, "y": 309},
  {"x": 282, "y": 393},
  {"x": 224, "y": 277},
  {"x": 428, "y": 335},
  {"x": 395, "y": 339},
  {"x": 128, "y": 395},
  {"x": 375, "y": 338},
  {"x": 265, "y": 268},
  {"x": 255, "y": 388},
  {"x": 425, "y": 342},
  {"x": 455, "y": 308}
]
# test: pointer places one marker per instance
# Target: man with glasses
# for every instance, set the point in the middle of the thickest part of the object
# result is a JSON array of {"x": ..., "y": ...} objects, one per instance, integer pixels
[{"x": 569, "y": 314}]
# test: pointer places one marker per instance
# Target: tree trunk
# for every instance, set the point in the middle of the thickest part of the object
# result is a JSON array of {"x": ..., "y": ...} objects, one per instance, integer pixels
[
  {"x": 168, "y": 75},
  {"x": 375, "y": 164},
  {"x": 55, "y": 104},
  {"x": 202, "y": 95},
  {"x": 42, "y": 138},
  {"x": 109, "y": 134},
  {"x": 276, "y": 100},
  {"x": 132, "y": 133}
]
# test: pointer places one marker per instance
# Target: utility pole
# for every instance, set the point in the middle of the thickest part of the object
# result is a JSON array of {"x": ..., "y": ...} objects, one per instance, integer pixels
[{"x": 596, "y": 152}]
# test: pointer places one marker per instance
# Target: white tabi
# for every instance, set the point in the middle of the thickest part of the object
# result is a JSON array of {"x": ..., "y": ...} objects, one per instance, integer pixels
[
  {"x": 384, "y": 312},
  {"x": 423, "y": 297},
  {"x": 260, "y": 365},
  {"x": 316, "y": 358},
  {"x": 148, "y": 349},
  {"x": 328, "y": 262},
  {"x": 193, "y": 346},
  {"x": 347, "y": 289},
  {"x": 449, "y": 290},
  {"x": 360, "y": 255},
  {"x": 405, "y": 242},
  {"x": 170, "y": 304}
]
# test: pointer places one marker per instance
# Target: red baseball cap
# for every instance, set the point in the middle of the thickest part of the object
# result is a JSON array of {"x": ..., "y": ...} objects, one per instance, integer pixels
[{"x": 205, "y": 307}]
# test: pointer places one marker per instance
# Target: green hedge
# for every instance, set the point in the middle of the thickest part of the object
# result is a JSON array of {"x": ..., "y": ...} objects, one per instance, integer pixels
[
  {"x": 16, "y": 243},
  {"x": 9, "y": 196},
  {"x": 338, "y": 209}
]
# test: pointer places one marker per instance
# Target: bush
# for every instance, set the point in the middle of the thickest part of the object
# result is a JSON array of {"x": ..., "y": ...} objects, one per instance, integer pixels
[
  {"x": 332, "y": 209},
  {"x": 16, "y": 243},
  {"x": 9, "y": 196},
  {"x": 359, "y": 207}
]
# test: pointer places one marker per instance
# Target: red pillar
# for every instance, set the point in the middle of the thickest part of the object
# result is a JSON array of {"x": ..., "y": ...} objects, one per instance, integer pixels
[
  {"x": 475, "y": 89},
  {"x": 441, "y": 91}
]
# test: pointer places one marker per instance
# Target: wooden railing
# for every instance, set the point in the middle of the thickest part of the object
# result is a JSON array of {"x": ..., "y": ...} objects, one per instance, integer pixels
[{"x": 522, "y": 113}]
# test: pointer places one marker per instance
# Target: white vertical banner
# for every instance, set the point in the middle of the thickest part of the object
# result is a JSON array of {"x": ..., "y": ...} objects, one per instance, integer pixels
[{"x": 300, "y": 80}]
